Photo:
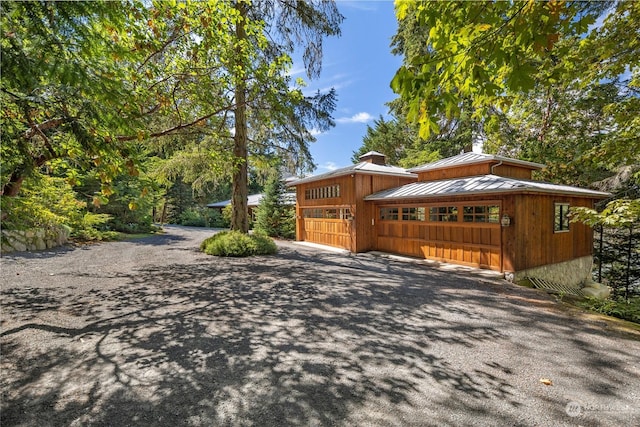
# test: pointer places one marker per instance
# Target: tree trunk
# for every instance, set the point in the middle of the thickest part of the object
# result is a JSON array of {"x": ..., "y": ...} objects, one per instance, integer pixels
[
  {"x": 600, "y": 253},
  {"x": 239, "y": 212},
  {"x": 12, "y": 188},
  {"x": 628, "y": 273}
]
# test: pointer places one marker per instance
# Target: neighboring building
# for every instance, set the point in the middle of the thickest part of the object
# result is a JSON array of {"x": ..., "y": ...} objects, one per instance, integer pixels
[
  {"x": 473, "y": 209},
  {"x": 253, "y": 200}
]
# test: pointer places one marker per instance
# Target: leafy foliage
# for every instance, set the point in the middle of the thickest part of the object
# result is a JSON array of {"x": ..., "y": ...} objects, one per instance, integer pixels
[
  {"x": 48, "y": 203},
  {"x": 480, "y": 51},
  {"x": 237, "y": 244},
  {"x": 627, "y": 309},
  {"x": 618, "y": 246},
  {"x": 67, "y": 86}
]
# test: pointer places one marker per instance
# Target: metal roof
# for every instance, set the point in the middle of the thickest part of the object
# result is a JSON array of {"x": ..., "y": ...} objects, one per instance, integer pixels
[
  {"x": 484, "y": 184},
  {"x": 473, "y": 158},
  {"x": 254, "y": 200},
  {"x": 362, "y": 167}
]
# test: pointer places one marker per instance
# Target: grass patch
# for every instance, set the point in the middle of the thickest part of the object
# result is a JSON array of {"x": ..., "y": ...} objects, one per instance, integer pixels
[
  {"x": 237, "y": 244},
  {"x": 620, "y": 308}
]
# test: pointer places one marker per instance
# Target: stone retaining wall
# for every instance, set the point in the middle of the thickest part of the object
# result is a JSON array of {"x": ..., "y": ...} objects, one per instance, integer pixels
[
  {"x": 33, "y": 240},
  {"x": 574, "y": 273}
]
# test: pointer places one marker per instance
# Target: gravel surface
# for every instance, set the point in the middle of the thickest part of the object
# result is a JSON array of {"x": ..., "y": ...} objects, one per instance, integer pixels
[{"x": 151, "y": 332}]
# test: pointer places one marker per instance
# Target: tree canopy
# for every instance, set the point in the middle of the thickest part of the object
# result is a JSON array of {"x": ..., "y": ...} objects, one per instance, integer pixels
[
  {"x": 102, "y": 86},
  {"x": 489, "y": 51}
]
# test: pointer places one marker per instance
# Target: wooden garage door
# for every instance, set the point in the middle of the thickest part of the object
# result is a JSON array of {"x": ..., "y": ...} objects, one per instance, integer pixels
[
  {"x": 458, "y": 233},
  {"x": 327, "y": 226}
]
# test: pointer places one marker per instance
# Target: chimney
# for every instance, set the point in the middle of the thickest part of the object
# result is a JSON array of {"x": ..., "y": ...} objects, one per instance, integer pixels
[{"x": 373, "y": 157}]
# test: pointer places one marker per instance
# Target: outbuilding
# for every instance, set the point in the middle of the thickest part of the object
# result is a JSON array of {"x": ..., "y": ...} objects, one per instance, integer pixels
[{"x": 473, "y": 209}]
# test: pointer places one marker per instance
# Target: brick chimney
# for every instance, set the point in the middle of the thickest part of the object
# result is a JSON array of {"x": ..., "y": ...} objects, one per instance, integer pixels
[{"x": 373, "y": 157}]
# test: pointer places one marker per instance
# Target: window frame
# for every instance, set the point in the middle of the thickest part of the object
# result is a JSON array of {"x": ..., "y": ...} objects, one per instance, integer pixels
[{"x": 561, "y": 221}]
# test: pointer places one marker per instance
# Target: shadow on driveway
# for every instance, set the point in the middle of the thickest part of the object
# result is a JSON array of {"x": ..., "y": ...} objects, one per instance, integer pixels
[{"x": 302, "y": 338}]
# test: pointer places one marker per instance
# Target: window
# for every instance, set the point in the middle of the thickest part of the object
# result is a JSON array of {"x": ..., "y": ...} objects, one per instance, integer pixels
[
  {"x": 327, "y": 213},
  {"x": 561, "y": 218},
  {"x": 489, "y": 214},
  {"x": 443, "y": 214},
  {"x": 389, "y": 214},
  {"x": 413, "y": 214},
  {"x": 312, "y": 213},
  {"x": 327, "y": 192}
]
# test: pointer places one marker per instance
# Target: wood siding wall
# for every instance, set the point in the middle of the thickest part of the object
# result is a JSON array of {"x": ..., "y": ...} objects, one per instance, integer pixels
[
  {"x": 472, "y": 244},
  {"x": 365, "y": 219},
  {"x": 334, "y": 232},
  {"x": 510, "y": 171},
  {"x": 530, "y": 241}
]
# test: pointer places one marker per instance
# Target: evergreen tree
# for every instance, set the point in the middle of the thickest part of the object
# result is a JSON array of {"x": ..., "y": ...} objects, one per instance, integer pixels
[{"x": 274, "y": 216}]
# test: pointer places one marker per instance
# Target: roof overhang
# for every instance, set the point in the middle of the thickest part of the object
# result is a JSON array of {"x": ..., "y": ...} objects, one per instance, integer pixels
[
  {"x": 453, "y": 162},
  {"x": 473, "y": 187},
  {"x": 339, "y": 174}
]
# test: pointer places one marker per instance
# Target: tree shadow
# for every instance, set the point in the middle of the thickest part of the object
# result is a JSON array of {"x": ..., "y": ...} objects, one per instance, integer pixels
[{"x": 281, "y": 340}]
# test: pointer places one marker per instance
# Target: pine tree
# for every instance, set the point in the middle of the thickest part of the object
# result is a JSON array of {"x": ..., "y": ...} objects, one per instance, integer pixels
[{"x": 273, "y": 216}]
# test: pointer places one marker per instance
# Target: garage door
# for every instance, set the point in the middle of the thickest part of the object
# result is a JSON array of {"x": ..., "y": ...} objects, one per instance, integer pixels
[
  {"x": 467, "y": 234},
  {"x": 327, "y": 226}
]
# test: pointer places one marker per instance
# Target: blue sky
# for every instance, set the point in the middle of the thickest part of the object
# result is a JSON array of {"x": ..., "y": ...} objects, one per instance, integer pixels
[{"x": 360, "y": 66}]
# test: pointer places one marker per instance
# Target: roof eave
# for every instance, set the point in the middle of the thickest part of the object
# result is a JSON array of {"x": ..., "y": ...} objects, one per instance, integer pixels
[
  {"x": 350, "y": 172},
  {"x": 594, "y": 195},
  {"x": 496, "y": 160}
]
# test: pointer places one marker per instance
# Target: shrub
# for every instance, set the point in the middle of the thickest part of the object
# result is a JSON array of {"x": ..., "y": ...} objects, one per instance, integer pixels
[
  {"x": 237, "y": 244},
  {"x": 193, "y": 218},
  {"x": 216, "y": 219},
  {"x": 48, "y": 202},
  {"x": 618, "y": 307}
]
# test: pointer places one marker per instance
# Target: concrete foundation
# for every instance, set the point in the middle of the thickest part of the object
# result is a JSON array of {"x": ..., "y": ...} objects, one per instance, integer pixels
[{"x": 574, "y": 273}]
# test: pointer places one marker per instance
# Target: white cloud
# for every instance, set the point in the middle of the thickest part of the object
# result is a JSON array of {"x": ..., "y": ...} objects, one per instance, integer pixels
[
  {"x": 296, "y": 70},
  {"x": 315, "y": 132},
  {"x": 360, "y": 5},
  {"x": 328, "y": 167},
  {"x": 362, "y": 117}
]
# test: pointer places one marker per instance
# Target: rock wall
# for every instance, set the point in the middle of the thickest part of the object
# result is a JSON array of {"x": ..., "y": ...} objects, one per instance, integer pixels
[{"x": 33, "y": 240}]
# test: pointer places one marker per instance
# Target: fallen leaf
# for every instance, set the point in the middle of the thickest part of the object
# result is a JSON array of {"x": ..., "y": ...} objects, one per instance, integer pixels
[{"x": 546, "y": 381}]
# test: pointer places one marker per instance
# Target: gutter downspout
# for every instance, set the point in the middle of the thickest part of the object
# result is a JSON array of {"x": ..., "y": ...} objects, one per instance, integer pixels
[{"x": 495, "y": 166}]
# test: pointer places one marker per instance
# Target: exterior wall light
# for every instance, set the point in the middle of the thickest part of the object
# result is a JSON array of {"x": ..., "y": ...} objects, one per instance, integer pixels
[{"x": 505, "y": 221}]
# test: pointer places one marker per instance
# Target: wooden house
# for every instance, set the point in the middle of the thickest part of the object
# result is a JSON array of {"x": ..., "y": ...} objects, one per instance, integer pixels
[{"x": 474, "y": 209}]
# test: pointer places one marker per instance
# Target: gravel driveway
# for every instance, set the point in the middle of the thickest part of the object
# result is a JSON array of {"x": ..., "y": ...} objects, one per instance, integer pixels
[{"x": 152, "y": 332}]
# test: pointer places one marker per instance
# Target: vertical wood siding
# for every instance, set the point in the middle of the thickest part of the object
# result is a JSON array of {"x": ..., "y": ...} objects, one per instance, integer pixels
[
  {"x": 472, "y": 244},
  {"x": 510, "y": 171},
  {"x": 534, "y": 241}
]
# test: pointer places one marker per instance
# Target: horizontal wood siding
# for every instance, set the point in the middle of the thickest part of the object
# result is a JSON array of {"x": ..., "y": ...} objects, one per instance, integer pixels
[
  {"x": 461, "y": 244},
  {"x": 511, "y": 171}
]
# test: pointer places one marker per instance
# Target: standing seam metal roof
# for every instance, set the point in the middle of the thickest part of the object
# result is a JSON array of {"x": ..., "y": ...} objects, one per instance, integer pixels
[
  {"x": 473, "y": 158},
  {"x": 479, "y": 185},
  {"x": 363, "y": 167}
]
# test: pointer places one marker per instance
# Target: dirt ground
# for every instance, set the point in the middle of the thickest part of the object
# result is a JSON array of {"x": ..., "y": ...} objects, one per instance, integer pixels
[{"x": 151, "y": 332}]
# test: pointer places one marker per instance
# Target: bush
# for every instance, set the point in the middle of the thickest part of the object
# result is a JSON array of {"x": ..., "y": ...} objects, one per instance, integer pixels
[
  {"x": 48, "y": 202},
  {"x": 237, "y": 244},
  {"x": 193, "y": 218},
  {"x": 618, "y": 307},
  {"x": 216, "y": 219}
]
